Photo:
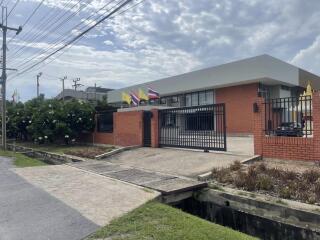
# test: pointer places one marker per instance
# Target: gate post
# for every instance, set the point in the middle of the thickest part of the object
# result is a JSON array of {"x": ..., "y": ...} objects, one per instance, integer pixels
[
  {"x": 155, "y": 128},
  {"x": 258, "y": 126}
]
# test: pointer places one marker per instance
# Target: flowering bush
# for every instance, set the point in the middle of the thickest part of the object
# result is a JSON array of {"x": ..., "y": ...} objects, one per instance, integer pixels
[{"x": 49, "y": 120}]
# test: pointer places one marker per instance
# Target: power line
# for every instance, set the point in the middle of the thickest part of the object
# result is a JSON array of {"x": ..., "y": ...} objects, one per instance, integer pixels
[
  {"x": 75, "y": 39},
  {"x": 14, "y": 6},
  {"x": 64, "y": 36},
  {"x": 28, "y": 19},
  {"x": 52, "y": 17}
]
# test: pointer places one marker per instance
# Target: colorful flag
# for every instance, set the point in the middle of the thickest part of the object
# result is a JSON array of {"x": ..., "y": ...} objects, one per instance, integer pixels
[
  {"x": 126, "y": 98},
  {"x": 135, "y": 99},
  {"x": 142, "y": 95},
  {"x": 152, "y": 94}
]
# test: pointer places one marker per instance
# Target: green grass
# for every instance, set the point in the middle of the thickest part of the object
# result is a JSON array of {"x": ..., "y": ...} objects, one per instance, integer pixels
[
  {"x": 21, "y": 160},
  {"x": 54, "y": 148},
  {"x": 156, "y": 221},
  {"x": 91, "y": 151}
]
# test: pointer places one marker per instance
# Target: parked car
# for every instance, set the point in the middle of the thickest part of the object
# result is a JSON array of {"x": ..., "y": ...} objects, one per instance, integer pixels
[{"x": 289, "y": 129}]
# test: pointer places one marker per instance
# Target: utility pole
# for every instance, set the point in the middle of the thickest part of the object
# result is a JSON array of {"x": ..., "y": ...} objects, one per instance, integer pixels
[
  {"x": 95, "y": 93},
  {"x": 4, "y": 27},
  {"x": 76, "y": 84},
  {"x": 63, "y": 79},
  {"x": 38, "y": 84}
]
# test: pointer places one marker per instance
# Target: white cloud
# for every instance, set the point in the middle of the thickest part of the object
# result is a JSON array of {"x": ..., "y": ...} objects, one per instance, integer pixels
[
  {"x": 108, "y": 43},
  {"x": 309, "y": 57}
]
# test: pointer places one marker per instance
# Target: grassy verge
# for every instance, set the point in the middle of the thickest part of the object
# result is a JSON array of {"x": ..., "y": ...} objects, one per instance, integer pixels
[
  {"x": 76, "y": 150},
  {"x": 161, "y": 222},
  {"x": 21, "y": 160}
]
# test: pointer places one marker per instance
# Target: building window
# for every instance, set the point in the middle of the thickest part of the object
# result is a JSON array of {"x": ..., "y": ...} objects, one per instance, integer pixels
[
  {"x": 195, "y": 99},
  {"x": 188, "y": 100},
  {"x": 163, "y": 101},
  {"x": 209, "y": 97},
  {"x": 174, "y": 99},
  {"x": 202, "y": 98},
  {"x": 105, "y": 122}
]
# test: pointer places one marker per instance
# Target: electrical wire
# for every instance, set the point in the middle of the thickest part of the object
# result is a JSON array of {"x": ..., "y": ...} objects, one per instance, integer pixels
[
  {"x": 77, "y": 38},
  {"x": 28, "y": 19},
  {"x": 64, "y": 36},
  {"x": 41, "y": 32},
  {"x": 14, "y": 6}
]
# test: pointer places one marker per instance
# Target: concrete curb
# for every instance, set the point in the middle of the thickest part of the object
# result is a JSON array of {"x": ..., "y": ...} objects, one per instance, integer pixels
[
  {"x": 113, "y": 152},
  {"x": 206, "y": 176},
  {"x": 251, "y": 159}
]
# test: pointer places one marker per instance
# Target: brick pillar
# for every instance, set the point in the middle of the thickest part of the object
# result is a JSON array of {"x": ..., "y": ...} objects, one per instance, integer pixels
[
  {"x": 316, "y": 125},
  {"x": 258, "y": 127},
  {"x": 155, "y": 128}
]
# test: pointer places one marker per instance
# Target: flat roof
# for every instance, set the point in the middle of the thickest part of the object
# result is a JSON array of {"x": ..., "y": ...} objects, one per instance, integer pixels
[{"x": 264, "y": 68}]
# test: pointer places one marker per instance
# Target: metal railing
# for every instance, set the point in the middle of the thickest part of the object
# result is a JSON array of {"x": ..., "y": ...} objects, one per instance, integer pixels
[
  {"x": 291, "y": 117},
  {"x": 201, "y": 127}
]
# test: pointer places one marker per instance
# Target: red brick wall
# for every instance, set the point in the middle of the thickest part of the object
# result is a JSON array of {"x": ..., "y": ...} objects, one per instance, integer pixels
[
  {"x": 102, "y": 138},
  {"x": 128, "y": 128},
  {"x": 289, "y": 148},
  {"x": 238, "y": 100}
]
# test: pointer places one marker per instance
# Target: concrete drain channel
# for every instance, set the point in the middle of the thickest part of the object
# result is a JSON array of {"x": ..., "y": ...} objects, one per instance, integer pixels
[{"x": 257, "y": 218}]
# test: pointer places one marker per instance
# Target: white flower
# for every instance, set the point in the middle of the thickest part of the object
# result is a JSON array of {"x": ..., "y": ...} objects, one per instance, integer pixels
[
  {"x": 39, "y": 138},
  {"x": 73, "y": 140},
  {"x": 66, "y": 136},
  {"x": 79, "y": 119},
  {"x": 45, "y": 137},
  {"x": 54, "y": 121},
  {"x": 50, "y": 105},
  {"x": 30, "y": 121}
]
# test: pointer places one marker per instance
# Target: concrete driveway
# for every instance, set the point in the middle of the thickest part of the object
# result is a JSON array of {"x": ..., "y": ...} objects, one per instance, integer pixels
[
  {"x": 175, "y": 161},
  {"x": 60, "y": 202}
]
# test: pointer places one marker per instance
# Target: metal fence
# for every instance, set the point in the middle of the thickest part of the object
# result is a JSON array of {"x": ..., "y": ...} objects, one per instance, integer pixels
[
  {"x": 201, "y": 127},
  {"x": 290, "y": 117}
]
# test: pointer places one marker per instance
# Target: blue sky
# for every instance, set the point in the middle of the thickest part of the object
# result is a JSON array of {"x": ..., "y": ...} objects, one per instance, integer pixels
[{"x": 159, "y": 39}]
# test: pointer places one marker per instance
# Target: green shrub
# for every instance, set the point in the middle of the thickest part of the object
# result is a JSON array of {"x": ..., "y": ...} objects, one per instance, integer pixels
[
  {"x": 311, "y": 176},
  {"x": 285, "y": 192},
  {"x": 264, "y": 182},
  {"x": 235, "y": 166}
]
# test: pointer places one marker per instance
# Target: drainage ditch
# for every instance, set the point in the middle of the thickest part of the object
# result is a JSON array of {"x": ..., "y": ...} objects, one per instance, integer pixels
[{"x": 262, "y": 219}]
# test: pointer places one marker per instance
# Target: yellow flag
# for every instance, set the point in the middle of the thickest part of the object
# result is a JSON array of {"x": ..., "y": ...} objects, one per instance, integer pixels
[
  {"x": 142, "y": 95},
  {"x": 126, "y": 97}
]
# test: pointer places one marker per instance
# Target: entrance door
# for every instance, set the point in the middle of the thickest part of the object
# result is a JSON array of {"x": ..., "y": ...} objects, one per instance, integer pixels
[{"x": 147, "y": 128}]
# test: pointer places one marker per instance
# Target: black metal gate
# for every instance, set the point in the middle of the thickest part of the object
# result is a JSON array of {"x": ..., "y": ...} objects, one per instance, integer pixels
[
  {"x": 201, "y": 127},
  {"x": 147, "y": 128}
]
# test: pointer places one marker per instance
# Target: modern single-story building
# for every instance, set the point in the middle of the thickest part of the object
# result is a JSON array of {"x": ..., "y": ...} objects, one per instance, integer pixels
[
  {"x": 236, "y": 84},
  {"x": 90, "y": 94}
]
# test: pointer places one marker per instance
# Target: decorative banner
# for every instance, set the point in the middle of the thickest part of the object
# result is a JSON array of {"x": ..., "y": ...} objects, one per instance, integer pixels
[
  {"x": 135, "y": 99},
  {"x": 152, "y": 94},
  {"x": 126, "y": 98},
  {"x": 142, "y": 95}
]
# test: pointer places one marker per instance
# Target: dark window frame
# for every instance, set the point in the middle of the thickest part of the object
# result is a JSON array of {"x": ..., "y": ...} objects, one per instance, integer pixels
[{"x": 107, "y": 127}]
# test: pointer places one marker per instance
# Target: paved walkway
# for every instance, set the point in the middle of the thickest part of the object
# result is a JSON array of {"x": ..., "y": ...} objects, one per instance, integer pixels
[
  {"x": 186, "y": 163},
  {"x": 60, "y": 202},
  {"x": 29, "y": 213}
]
